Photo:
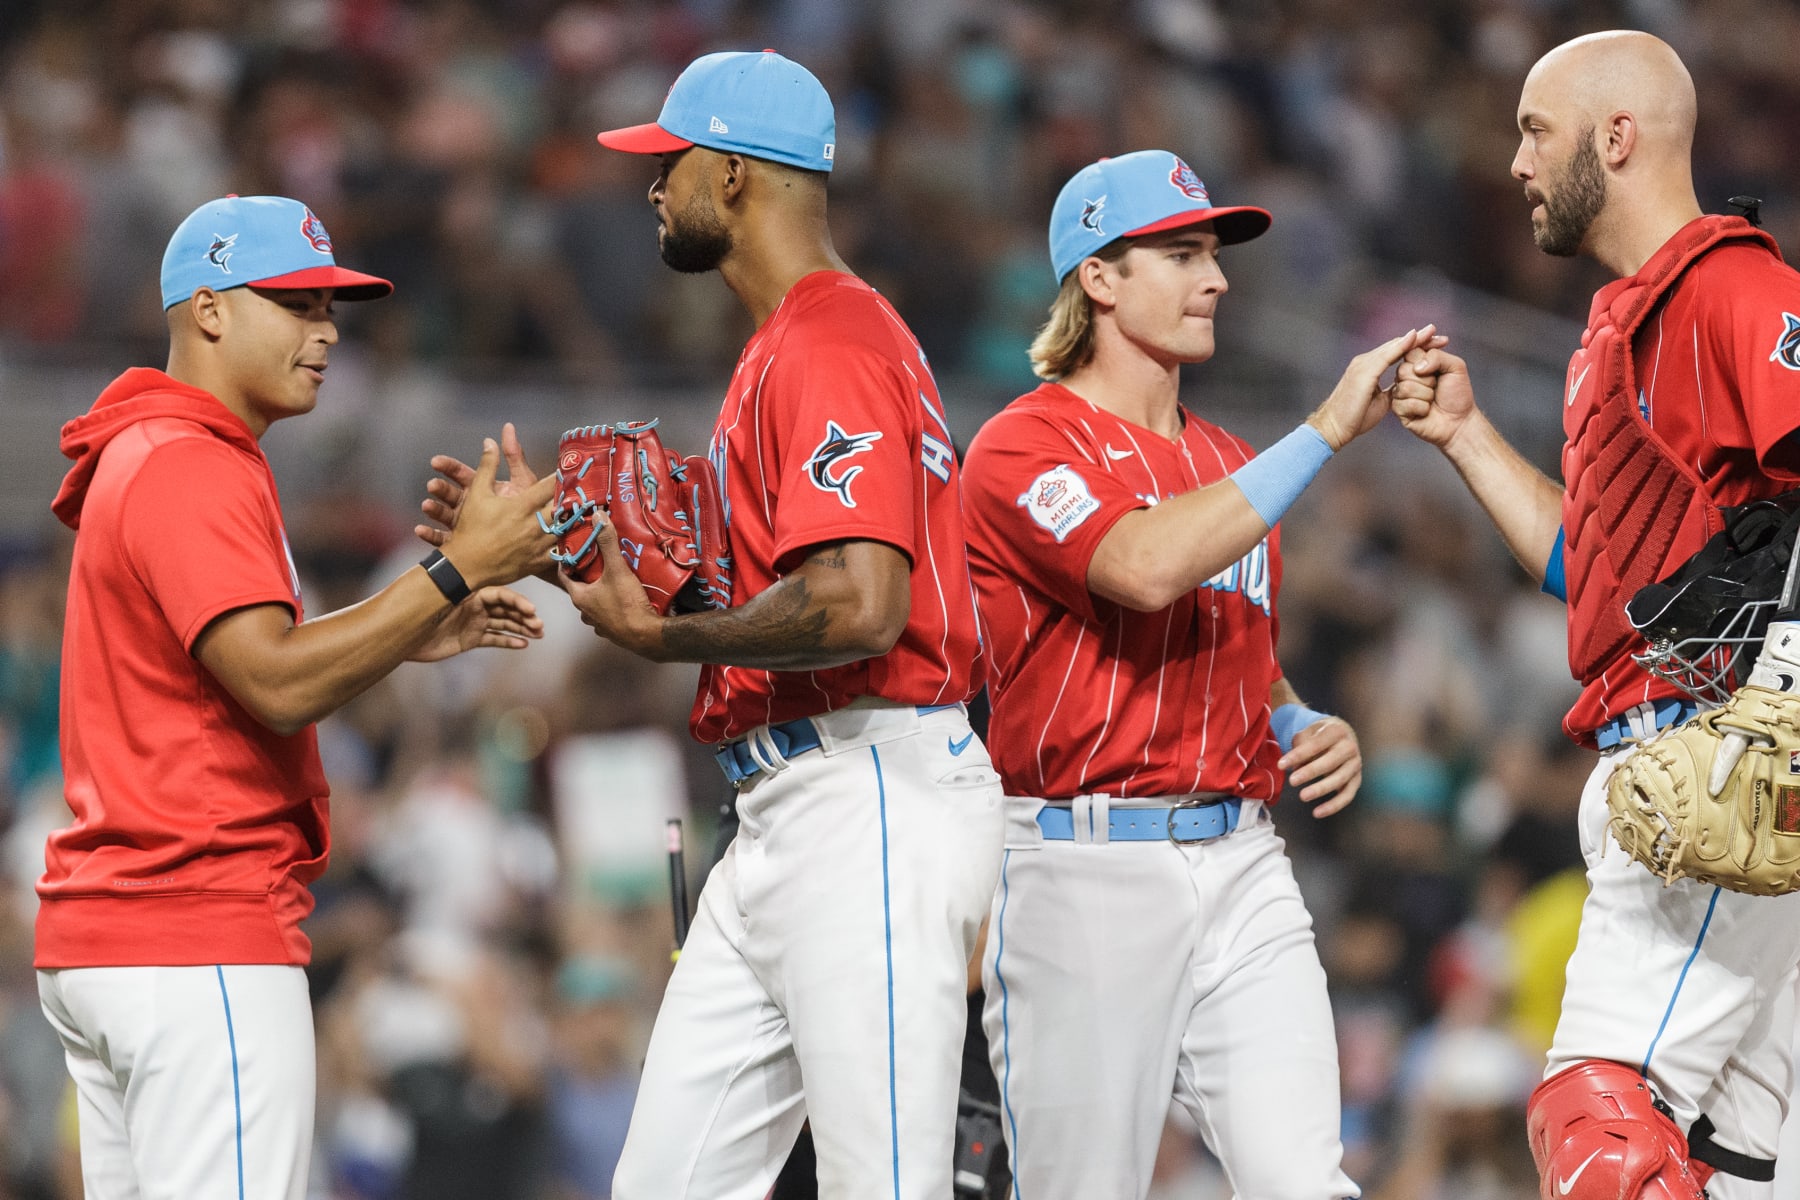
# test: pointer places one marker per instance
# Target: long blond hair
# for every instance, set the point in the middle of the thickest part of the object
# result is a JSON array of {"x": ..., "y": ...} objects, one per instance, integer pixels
[{"x": 1065, "y": 344}]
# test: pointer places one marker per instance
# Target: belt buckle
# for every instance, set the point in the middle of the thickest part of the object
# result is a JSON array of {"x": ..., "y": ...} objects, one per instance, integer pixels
[{"x": 1195, "y": 802}]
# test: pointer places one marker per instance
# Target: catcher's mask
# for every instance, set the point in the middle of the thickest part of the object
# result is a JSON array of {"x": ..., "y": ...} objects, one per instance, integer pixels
[{"x": 1706, "y": 621}]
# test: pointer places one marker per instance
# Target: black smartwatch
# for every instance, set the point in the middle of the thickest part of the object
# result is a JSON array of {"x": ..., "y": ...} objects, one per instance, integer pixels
[{"x": 449, "y": 580}]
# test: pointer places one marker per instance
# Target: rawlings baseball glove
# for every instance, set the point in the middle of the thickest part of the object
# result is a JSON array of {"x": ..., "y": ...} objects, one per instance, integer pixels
[
  {"x": 1717, "y": 799},
  {"x": 666, "y": 509}
]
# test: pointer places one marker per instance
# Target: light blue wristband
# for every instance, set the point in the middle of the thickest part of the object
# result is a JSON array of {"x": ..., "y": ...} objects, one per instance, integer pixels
[
  {"x": 1274, "y": 479},
  {"x": 1288, "y": 720}
]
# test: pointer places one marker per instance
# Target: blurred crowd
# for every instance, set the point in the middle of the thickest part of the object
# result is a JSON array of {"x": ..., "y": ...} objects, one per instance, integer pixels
[{"x": 495, "y": 930}]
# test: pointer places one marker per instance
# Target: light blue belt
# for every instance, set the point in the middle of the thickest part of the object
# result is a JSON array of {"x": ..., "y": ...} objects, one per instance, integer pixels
[
  {"x": 790, "y": 738},
  {"x": 1190, "y": 821},
  {"x": 1663, "y": 714}
]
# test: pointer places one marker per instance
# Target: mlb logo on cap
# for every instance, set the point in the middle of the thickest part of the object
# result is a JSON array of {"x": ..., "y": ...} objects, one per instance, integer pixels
[
  {"x": 1144, "y": 192},
  {"x": 762, "y": 105},
  {"x": 269, "y": 241}
]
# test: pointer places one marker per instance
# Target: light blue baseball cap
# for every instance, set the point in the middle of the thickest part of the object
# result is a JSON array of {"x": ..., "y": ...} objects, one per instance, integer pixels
[
  {"x": 759, "y": 104},
  {"x": 1134, "y": 194},
  {"x": 269, "y": 241}
]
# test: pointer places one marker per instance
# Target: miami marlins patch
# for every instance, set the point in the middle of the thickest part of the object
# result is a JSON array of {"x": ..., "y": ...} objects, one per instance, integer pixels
[
  {"x": 1183, "y": 180},
  {"x": 825, "y": 467},
  {"x": 313, "y": 230},
  {"x": 1787, "y": 348},
  {"x": 1059, "y": 500}
]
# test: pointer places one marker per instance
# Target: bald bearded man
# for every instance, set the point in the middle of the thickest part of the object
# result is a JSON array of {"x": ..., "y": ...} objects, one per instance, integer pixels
[{"x": 1671, "y": 1064}]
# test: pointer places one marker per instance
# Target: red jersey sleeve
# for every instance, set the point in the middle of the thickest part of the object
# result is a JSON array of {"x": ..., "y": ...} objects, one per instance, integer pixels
[
  {"x": 1043, "y": 505},
  {"x": 1752, "y": 328},
  {"x": 850, "y": 422},
  {"x": 202, "y": 532}
]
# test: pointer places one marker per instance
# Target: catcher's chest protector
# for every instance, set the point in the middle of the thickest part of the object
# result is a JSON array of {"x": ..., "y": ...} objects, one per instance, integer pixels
[{"x": 1632, "y": 510}]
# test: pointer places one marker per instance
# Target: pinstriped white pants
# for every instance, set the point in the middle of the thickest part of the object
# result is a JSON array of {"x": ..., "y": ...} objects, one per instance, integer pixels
[
  {"x": 1690, "y": 983},
  {"x": 826, "y": 974},
  {"x": 193, "y": 1083},
  {"x": 1121, "y": 977}
]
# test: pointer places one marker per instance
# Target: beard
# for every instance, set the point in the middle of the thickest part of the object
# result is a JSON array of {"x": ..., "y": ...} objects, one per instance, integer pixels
[
  {"x": 1579, "y": 197},
  {"x": 695, "y": 241}
]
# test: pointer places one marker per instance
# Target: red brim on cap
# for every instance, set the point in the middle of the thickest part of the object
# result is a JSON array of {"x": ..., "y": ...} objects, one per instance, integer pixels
[
  {"x": 350, "y": 285},
  {"x": 1233, "y": 225},
  {"x": 643, "y": 139}
]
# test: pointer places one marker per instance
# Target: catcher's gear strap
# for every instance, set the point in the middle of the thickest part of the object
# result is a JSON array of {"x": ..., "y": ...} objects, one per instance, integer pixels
[
  {"x": 1644, "y": 508},
  {"x": 1702, "y": 1148},
  {"x": 1597, "y": 1134}
]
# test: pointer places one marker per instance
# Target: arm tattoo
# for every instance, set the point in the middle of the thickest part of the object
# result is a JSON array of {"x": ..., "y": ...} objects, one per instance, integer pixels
[{"x": 780, "y": 630}]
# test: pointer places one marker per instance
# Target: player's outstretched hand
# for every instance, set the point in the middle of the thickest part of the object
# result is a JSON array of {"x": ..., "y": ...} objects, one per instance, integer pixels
[
  {"x": 445, "y": 490},
  {"x": 1325, "y": 764},
  {"x": 494, "y": 616},
  {"x": 499, "y": 536},
  {"x": 1359, "y": 401},
  {"x": 1438, "y": 416},
  {"x": 615, "y": 604}
]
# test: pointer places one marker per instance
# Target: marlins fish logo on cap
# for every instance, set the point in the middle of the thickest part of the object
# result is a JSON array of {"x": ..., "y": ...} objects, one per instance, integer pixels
[
  {"x": 1090, "y": 216},
  {"x": 219, "y": 253}
]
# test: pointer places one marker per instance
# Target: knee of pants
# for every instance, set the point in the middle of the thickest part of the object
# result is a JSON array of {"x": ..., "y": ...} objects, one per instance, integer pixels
[{"x": 1597, "y": 1134}]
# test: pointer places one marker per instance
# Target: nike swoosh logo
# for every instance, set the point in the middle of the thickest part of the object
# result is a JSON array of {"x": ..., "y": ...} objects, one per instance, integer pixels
[
  {"x": 957, "y": 747},
  {"x": 1116, "y": 455},
  {"x": 1574, "y": 389},
  {"x": 1563, "y": 1185}
]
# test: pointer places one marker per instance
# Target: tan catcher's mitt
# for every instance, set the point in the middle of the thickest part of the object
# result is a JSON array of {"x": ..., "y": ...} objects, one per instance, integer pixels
[
  {"x": 666, "y": 509},
  {"x": 1718, "y": 799}
]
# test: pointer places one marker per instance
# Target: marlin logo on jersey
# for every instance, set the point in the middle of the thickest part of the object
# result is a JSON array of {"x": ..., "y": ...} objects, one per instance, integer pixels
[
  {"x": 1090, "y": 217},
  {"x": 1787, "y": 348},
  {"x": 1183, "y": 179},
  {"x": 822, "y": 467},
  {"x": 1249, "y": 576},
  {"x": 219, "y": 253}
]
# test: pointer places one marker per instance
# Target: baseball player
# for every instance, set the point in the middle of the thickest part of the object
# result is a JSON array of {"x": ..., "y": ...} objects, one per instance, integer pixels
[
  {"x": 169, "y": 948},
  {"x": 1670, "y": 1066},
  {"x": 824, "y": 975},
  {"x": 1148, "y": 941}
]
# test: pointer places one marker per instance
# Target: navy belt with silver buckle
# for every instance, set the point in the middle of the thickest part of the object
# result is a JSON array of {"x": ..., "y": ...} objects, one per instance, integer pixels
[
  {"x": 1189, "y": 821},
  {"x": 790, "y": 737},
  {"x": 1666, "y": 712}
]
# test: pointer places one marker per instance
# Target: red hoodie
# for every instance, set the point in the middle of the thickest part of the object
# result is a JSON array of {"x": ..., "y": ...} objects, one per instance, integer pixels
[{"x": 197, "y": 828}]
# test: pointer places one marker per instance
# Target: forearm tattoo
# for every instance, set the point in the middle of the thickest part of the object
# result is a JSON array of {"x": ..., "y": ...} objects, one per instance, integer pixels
[{"x": 783, "y": 629}]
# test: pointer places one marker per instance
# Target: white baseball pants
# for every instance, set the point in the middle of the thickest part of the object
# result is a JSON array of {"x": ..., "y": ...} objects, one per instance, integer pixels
[
  {"x": 1120, "y": 976},
  {"x": 1691, "y": 984},
  {"x": 826, "y": 973},
  {"x": 192, "y": 1083}
]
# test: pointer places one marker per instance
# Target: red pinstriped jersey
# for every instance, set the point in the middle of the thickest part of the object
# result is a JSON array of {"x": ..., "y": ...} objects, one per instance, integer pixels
[
  {"x": 832, "y": 429},
  {"x": 1717, "y": 370},
  {"x": 1089, "y": 696}
]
